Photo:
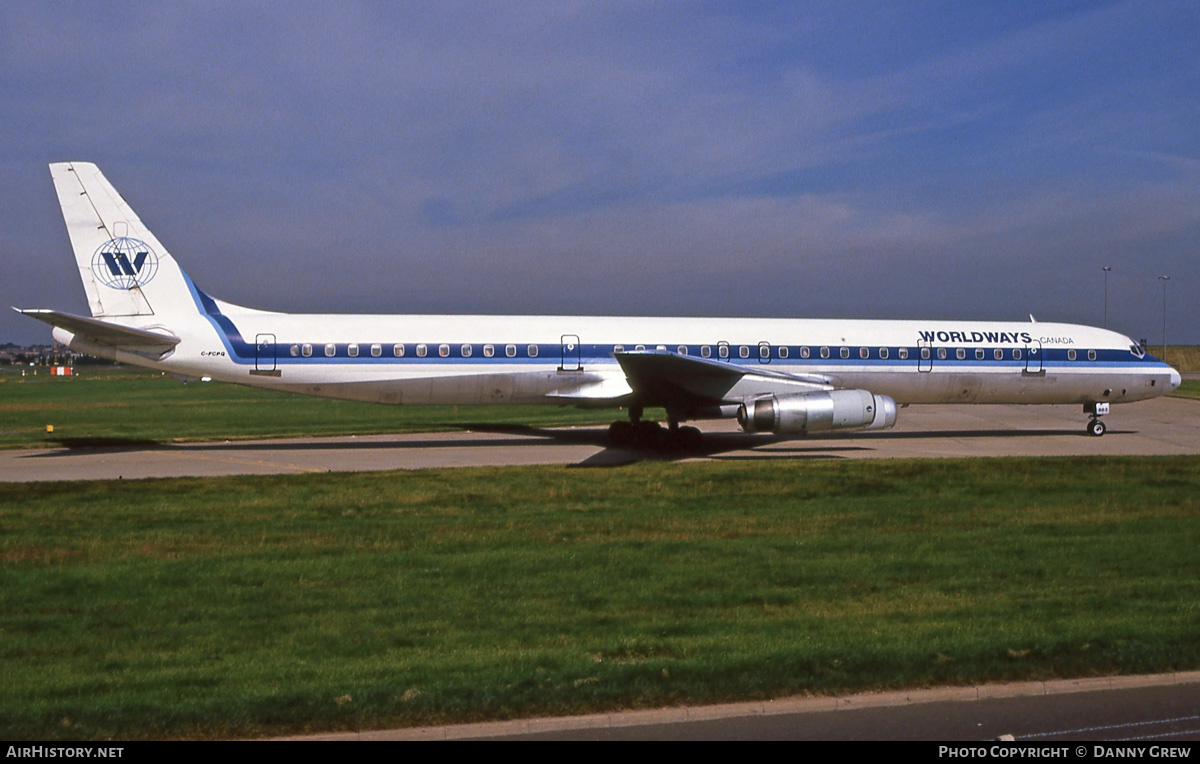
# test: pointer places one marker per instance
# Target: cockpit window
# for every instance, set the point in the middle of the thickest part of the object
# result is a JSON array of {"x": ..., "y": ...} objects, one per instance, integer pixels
[{"x": 1137, "y": 350}]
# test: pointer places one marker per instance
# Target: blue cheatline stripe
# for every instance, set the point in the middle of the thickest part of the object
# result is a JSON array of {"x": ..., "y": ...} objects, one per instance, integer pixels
[
  {"x": 243, "y": 352},
  {"x": 238, "y": 350}
]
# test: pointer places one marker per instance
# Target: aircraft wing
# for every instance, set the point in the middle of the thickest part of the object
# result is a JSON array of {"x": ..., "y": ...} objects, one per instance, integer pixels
[
  {"x": 661, "y": 377},
  {"x": 105, "y": 333}
]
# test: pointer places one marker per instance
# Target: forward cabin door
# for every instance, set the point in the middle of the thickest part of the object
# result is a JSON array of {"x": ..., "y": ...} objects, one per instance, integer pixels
[{"x": 1033, "y": 358}]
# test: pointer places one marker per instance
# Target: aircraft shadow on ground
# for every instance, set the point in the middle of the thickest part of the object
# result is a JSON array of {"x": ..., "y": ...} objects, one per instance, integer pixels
[
  {"x": 721, "y": 445},
  {"x": 523, "y": 437}
]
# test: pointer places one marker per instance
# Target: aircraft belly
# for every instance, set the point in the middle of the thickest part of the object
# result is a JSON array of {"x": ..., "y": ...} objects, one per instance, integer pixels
[
  {"x": 464, "y": 389},
  {"x": 905, "y": 387}
]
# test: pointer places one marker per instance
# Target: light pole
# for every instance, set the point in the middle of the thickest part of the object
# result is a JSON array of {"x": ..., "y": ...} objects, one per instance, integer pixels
[
  {"x": 1164, "y": 280},
  {"x": 1107, "y": 270}
]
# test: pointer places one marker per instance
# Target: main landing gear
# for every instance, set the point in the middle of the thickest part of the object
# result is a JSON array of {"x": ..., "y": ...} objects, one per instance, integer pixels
[
  {"x": 651, "y": 435},
  {"x": 1096, "y": 410}
]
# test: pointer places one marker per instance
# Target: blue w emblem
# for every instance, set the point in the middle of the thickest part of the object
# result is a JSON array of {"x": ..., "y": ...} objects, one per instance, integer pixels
[{"x": 124, "y": 263}]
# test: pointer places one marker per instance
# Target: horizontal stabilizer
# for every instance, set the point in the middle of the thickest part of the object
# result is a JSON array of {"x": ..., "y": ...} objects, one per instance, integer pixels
[{"x": 104, "y": 333}]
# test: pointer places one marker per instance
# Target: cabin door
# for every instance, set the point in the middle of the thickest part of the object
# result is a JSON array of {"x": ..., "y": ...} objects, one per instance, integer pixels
[
  {"x": 264, "y": 353},
  {"x": 572, "y": 358},
  {"x": 924, "y": 355},
  {"x": 1033, "y": 358}
]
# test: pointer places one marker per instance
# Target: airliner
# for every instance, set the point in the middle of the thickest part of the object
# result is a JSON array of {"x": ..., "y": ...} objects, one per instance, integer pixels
[{"x": 788, "y": 377}]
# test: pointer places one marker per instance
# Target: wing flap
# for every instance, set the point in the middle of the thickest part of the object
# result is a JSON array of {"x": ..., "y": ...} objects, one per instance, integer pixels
[{"x": 609, "y": 387}]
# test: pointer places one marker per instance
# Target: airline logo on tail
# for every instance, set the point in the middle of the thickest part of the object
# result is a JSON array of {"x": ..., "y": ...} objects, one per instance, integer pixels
[{"x": 124, "y": 263}]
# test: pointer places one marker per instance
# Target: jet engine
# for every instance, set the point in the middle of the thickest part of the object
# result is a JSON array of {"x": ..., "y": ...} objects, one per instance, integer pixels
[{"x": 817, "y": 411}]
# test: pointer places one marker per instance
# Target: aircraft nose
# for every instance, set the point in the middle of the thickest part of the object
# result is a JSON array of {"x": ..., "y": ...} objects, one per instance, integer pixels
[{"x": 1176, "y": 379}]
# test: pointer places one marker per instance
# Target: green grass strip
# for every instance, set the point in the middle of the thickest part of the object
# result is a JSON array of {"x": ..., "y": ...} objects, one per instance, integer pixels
[
  {"x": 261, "y": 605},
  {"x": 1189, "y": 389}
]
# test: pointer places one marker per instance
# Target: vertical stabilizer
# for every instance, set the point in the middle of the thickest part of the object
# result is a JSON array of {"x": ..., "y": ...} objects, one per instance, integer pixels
[{"x": 125, "y": 270}]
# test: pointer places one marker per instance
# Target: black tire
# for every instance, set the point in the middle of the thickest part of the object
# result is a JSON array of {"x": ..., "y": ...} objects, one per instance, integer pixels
[
  {"x": 1096, "y": 428},
  {"x": 648, "y": 435},
  {"x": 689, "y": 439},
  {"x": 620, "y": 433}
]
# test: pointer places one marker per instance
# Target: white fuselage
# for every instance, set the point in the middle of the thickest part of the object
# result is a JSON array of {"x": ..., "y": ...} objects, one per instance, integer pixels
[{"x": 570, "y": 359}]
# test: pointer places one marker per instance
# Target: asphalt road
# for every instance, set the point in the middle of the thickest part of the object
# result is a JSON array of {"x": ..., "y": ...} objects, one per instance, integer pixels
[
  {"x": 1144, "y": 711},
  {"x": 1159, "y": 427}
]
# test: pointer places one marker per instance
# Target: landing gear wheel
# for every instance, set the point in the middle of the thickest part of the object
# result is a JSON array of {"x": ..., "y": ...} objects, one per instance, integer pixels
[
  {"x": 1096, "y": 427},
  {"x": 638, "y": 434},
  {"x": 689, "y": 439},
  {"x": 621, "y": 433},
  {"x": 648, "y": 434}
]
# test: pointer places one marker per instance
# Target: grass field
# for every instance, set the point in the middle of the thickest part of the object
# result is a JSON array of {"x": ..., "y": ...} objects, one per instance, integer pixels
[
  {"x": 1189, "y": 389},
  {"x": 247, "y": 606},
  {"x": 1185, "y": 358}
]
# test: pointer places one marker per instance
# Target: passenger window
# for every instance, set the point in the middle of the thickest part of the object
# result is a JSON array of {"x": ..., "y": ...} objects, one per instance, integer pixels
[
  {"x": 510, "y": 350},
  {"x": 744, "y": 351},
  {"x": 824, "y": 352},
  {"x": 804, "y": 352},
  {"x": 376, "y": 351},
  {"x": 783, "y": 352},
  {"x": 294, "y": 350},
  {"x": 999, "y": 354},
  {"x": 640, "y": 347},
  {"x": 1091, "y": 355},
  {"x": 1016, "y": 354},
  {"x": 978, "y": 354},
  {"x": 960, "y": 354},
  {"x": 306, "y": 350},
  {"x": 618, "y": 348},
  {"x": 398, "y": 351},
  {"x": 1071, "y": 354},
  {"x": 845, "y": 352},
  {"x": 883, "y": 353},
  {"x": 443, "y": 350},
  {"x": 533, "y": 351},
  {"x": 705, "y": 351},
  {"x": 330, "y": 350},
  {"x": 422, "y": 350},
  {"x": 352, "y": 350},
  {"x": 764, "y": 350},
  {"x": 903, "y": 353},
  {"x": 723, "y": 351},
  {"x": 924, "y": 354},
  {"x": 941, "y": 354},
  {"x": 466, "y": 351},
  {"x": 864, "y": 353},
  {"x": 660, "y": 347},
  {"x": 489, "y": 351},
  {"x": 682, "y": 350}
]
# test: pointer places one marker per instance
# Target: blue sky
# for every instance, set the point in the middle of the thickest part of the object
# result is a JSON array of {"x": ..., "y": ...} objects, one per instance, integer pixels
[{"x": 968, "y": 160}]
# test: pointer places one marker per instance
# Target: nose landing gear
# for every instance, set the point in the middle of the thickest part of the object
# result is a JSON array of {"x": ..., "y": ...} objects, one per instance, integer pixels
[{"x": 1095, "y": 426}]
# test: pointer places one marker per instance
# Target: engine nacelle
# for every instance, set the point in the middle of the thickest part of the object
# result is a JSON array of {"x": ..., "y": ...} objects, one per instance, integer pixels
[{"x": 817, "y": 411}]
